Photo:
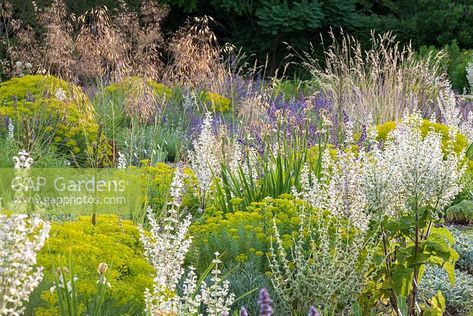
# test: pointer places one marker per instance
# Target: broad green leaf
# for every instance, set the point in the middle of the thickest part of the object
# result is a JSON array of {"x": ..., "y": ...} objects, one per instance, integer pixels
[
  {"x": 444, "y": 232},
  {"x": 402, "y": 279},
  {"x": 450, "y": 269},
  {"x": 437, "y": 306}
]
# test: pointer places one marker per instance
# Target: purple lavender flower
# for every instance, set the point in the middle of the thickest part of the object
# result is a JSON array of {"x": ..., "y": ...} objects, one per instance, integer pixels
[
  {"x": 313, "y": 311},
  {"x": 363, "y": 135},
  {"x": 265, "y": 303},
  {"x": 346, "y": 119},
  {"x": 243, "y": 311}
]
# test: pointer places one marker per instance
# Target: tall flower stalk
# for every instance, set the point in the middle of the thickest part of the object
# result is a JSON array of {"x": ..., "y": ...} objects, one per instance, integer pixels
[
  {"x": 166, "y": 246},
  {"x": 203, "y": 160},
  {"x": 21, "y": 237}
]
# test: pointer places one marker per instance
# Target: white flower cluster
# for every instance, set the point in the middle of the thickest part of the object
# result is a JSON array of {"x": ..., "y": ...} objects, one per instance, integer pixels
[
  {"x": 411, "y": 171},
  {"x": 339, "y": 189},
  {"x": 217, "y": 297},
  {"x": 20, "y": 238},
  {"x": 23, "y": 160},
  {"x": 469, "y": 74},
  {"x": 121, "y": 161},
  {"x": 60, "y": 94},
  {"x": 166, "y": 247},
  {"x": 453, "y": 117},
  {"x": 410, "y": 168},
  {"x": 203, "y": 160},
  {"x": 10, "y": 130},
  {"x": 23, "y": 163}
]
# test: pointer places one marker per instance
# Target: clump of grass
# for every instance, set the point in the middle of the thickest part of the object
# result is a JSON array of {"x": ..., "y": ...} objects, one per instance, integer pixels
[
  {"x": 383, "y": 82},
  {"x": 96, "y": 46},
  {"x": 196, "y": 53}
]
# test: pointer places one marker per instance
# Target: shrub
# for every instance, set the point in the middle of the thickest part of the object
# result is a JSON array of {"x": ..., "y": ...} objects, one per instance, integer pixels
[
  {"x": 245, "y": 234},
  {"x": 459, "y": 298},
  {"x": 48, "y": 111},
  {"x": 460, "y": 143},
  {"x": 326, "y": 267},
  {"x": 460, "y": 213},
  {"x": 112, "y": 240}
]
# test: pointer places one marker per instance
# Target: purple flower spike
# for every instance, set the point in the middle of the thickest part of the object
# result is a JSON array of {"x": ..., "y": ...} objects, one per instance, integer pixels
[
  {"x": 243, "y": 311},
  {"x": 313, "y": 311},
  {"x": 265, "y": 303},
  {"x": 363, "y": 135}
]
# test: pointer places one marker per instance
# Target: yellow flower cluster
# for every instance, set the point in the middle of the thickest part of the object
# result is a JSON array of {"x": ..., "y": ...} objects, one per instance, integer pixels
[
  {"x": 65, "y": 112},
  {"x": 111, "y": 240},
  {"x": 216, "y": 102},
  {"x": 252, "y": 229}
]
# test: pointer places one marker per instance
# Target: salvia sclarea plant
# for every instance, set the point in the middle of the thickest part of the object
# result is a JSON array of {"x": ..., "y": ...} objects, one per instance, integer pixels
[
  {"x": 166, "y": 247},
  {"x": 327, "y": 264},
  {"x": 21, "y": 237},
  {"x": 408, "y": 183},
  {"x": 394, "y": 194}
]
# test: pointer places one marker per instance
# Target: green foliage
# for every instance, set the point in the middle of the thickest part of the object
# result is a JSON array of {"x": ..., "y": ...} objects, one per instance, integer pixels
[
  {"x": 455, "y": 64},
  {"x": 275, "y": 17},
  {"x": 460, "y": 213},
  {"x": 116, "y": 103},
  {"x": 420, "y": 21},
  {"x": 157, "y": 184},
  {"x": 113, "y": 241},
  {"x": 408, "y": 245},
  {"x": 215, "y": 102},
  {"x": 290, "y": 89},
  {"x": 65, "y": 289},
  {"x": 49, "y": 112},
  {"x": 135, "y": 115},
  {"x": 458, "y": 298},
  {"x": 263, "y": 27},
  {"x": 277, "y": 171},
  {"x": 245, "y": 233},
  {"x": 464, "y": 247},
  {"x": 326, "y": 266},
  {"x": 131, "y": 85},
  {"x": 247, "y": 276}
]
